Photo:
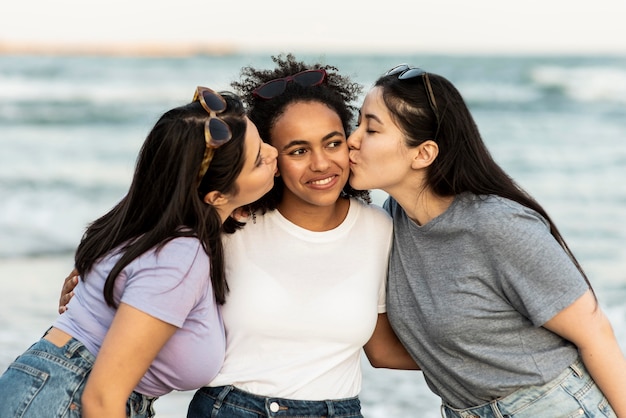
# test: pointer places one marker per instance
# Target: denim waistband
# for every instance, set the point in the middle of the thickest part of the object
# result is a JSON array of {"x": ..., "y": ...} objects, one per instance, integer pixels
[
  {"x": 141, "y": 405},
  {"x": 517, "y": 398},
  {"x": 272, "y": 406},
  {"x": 72, "y": 348}
]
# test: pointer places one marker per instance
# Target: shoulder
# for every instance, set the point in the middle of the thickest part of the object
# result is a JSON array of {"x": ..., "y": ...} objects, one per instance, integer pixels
[
  {"x": 181, "y": 253},
  {"x": 181, "y": 245},
  {"x": 501, "y": 223},
  {"x": 372, "y": 221},
  {"x": 498, "y": 211},
  {"x": 371, "y": 211}
]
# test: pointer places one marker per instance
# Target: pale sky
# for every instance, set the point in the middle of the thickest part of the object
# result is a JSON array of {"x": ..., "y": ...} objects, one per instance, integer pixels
[{"x": 404, "y": 26}]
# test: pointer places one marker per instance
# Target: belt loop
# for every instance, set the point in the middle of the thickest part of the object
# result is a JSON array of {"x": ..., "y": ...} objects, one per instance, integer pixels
[
  {"x": 577, "y": 369},
  {"x": 72, "y": 348},
  {"x": 331, "y": 408},
  {"x": 151, "y": 405},
  {"x": 496, "y": 409},
  {"x": 442, "y": 409},
  {"x": 220, "y": 398}
]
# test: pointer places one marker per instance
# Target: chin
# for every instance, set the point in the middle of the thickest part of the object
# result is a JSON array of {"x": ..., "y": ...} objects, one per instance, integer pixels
[{"x": 357, "y": 185}]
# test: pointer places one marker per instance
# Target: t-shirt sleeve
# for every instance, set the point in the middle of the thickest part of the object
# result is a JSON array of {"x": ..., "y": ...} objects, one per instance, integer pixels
[
  {"x": 386, "y": 226},
  {"x": 537, "y": 276},
  {"x": 169, "y": 282},
  {"x": 382, "y": 296}
]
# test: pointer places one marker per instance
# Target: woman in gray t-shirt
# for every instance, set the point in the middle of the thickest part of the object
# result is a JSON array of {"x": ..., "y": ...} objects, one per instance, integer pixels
[{"x": 483, "y": 291}]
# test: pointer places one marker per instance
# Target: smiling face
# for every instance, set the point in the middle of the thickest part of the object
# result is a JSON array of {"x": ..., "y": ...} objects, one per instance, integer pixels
[
  {"x": 379, "y": 158},
  {"x": 312, "y": 154}
]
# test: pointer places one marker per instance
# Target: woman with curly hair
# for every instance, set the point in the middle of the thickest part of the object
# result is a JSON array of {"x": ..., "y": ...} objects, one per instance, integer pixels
[{"x": 307, "y": 273}]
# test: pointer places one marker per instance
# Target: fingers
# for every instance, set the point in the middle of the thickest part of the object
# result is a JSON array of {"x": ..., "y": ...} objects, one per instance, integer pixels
[
  {"x": 241, "y": 214},
  {"x": 70, "y": 282},
  {"x": 64, "y": 300},
  {"x": 67, "y": 291}
]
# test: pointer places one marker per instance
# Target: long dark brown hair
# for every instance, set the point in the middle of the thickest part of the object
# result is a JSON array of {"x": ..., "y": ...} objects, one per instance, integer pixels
[
  {"x": 165, "y": 199},
  {"x": 464, "y": 164}
]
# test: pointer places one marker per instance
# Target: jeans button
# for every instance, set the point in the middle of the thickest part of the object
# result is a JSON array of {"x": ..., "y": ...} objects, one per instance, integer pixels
[{"x": 274, "y": 407}]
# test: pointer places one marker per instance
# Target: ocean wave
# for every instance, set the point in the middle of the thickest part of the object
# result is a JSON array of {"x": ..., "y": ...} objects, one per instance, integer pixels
[{"x": 583, "y": 84}]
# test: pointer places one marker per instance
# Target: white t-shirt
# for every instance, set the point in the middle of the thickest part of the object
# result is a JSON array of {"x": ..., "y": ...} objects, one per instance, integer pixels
[{"x": 302, "y": 304}]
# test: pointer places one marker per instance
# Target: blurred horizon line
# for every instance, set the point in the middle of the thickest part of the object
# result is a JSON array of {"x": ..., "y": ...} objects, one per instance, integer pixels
[{"x": 182, "y": 49}]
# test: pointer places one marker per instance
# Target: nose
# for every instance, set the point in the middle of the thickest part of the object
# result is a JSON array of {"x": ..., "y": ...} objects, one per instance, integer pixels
[
  {"x": 354, "y": 140},
  {"x": 319, "y": 161},
  {"x": 271, "y": 153}
]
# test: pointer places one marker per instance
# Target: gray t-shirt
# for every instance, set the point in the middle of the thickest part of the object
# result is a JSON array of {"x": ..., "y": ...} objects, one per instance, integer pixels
[{"x": 469, "y": 291}]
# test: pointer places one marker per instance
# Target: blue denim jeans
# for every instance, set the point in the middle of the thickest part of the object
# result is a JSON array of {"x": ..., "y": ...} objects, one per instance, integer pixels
[
  {"x": 572, "y": 394},
  {"x": 230, "y": 402},
  {"x": 48, "y": 381}
]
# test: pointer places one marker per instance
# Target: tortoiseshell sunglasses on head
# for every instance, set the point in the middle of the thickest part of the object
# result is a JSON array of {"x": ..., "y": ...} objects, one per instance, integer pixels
[{"x": 216, "y": 131}]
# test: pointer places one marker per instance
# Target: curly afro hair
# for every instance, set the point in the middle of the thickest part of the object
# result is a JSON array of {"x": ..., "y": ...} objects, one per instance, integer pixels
[{"x": 337, "y": 92}]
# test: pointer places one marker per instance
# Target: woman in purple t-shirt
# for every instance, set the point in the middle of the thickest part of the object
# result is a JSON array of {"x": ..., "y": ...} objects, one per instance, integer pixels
[{"x": 146, "y": 308}]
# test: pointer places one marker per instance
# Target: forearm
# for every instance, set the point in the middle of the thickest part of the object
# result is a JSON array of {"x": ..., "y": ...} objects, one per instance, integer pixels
[
  {"x": 384, "y": 349},
  {"x": 392, "y": 359},
  {"x": 584, "y": 324},
  {"x": 607, "y": 366},
  {"x": 98, "y": 405}
]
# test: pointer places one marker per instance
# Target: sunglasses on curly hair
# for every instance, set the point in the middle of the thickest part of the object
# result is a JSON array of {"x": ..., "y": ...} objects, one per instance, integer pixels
[
  {"x": 405, "y": 72},
  {"x": 276, "y": 87},
  {"x": 216, "y": 131}
]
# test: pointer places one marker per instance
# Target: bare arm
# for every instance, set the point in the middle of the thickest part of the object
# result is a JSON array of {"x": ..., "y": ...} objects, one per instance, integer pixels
[
  {"x": 584, "y": 324},
  {"x": 123, "y": 360},
  {"x": 384, "y": 349}
]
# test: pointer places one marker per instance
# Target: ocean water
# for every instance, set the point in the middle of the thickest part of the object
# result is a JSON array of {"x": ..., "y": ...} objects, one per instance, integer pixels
[{"x": 71, "y": 127}]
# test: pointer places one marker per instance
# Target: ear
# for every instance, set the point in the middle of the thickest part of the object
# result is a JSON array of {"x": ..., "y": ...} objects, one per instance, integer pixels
[
  {"x": 425, "y": 154},
  {"x": 215, "y": 198}
]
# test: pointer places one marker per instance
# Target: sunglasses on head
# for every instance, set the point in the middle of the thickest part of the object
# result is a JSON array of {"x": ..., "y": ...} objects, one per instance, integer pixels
[
  {"x": 405, "y": 72},
  {"x": 216, "y": 131},
  {"x": 276, "y": 87}
]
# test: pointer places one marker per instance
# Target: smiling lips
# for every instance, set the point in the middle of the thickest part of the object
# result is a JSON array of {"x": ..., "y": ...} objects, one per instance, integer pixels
[{"x": 322, "y": 182}]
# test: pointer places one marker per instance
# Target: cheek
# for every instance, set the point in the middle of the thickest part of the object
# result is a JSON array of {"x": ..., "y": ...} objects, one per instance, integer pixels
[
  {"x": 382, "y": 160},
  {"x": 342, "y": 159},
  {"x": 371, "y": 150},
  {"x": 287, "y": 169},
  {"x": 282, "y": 162}
]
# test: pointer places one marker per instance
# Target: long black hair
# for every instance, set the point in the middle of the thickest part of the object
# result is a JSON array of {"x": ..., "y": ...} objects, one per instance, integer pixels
[{"x": 165, "y": 198}]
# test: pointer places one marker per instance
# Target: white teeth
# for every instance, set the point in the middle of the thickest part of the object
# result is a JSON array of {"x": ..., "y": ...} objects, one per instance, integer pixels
[{"x": 322, "y": 182}]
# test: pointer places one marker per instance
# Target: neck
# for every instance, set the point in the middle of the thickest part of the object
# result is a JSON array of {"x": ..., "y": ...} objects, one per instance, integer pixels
[
  {"x": 312, "y": 217},
  {"x": 422, "y": 205}
]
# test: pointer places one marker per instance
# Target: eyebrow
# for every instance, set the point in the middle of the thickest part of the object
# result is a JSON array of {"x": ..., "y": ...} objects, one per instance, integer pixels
[
  {"x": 297, "y": 142},
  {"x": 371, "y": 116}
]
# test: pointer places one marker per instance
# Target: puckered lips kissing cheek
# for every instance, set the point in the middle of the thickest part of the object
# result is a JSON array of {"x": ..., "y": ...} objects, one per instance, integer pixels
[{"x": 354, "y": 156}]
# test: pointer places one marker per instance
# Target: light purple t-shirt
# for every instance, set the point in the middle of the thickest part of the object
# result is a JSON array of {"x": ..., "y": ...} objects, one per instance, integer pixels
[{"x": 172, "y": 285}]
